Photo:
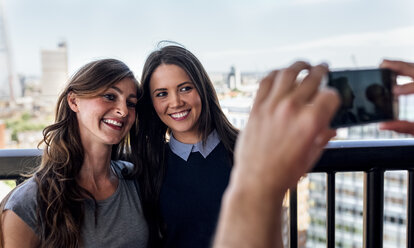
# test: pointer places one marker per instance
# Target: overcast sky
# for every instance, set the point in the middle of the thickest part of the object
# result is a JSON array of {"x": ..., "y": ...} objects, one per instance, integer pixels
[{"x": 252, "y": 35}]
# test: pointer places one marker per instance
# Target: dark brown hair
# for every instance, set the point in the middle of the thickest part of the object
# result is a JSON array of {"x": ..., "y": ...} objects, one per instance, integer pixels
[{"x": 60, "y": 199}]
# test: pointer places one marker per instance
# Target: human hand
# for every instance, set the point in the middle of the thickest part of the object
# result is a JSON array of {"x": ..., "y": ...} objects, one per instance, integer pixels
[
  {"x": 287, "y": 129},
  {"x": 404, "y": 69},
  {"x": 286, "y": 132}
]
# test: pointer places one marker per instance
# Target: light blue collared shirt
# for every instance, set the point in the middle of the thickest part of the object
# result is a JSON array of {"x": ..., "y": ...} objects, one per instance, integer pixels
[{"x": 183, "y": 150}]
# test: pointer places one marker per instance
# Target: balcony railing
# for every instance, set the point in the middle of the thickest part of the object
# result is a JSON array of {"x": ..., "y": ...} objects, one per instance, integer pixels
[
  {"x": 16, "y": 162},
  {"x": 372, "y": 158}
]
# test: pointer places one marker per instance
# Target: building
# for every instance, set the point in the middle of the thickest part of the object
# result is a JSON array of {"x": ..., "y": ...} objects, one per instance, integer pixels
[
  {"x": 237, "y": 110},
  {"x": 54, "y": 73},
  {"x": 234, "y": 78}
]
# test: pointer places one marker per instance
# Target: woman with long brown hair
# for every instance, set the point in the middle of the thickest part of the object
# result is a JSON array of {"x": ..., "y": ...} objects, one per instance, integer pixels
[
  {"x": 187, "y": 146},
  {"x": 82, "y": 195}
]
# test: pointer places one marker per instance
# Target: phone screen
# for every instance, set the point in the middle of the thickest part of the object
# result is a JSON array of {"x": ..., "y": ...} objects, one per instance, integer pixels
[{"x": 366, "y": 96}]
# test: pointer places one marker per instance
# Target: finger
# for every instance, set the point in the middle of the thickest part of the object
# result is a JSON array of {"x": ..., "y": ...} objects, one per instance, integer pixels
[
  {"x": 285, "y": 81},
  {"x": 320, "y": 142},
  {"x": 313, "y": 152},
  {"x": 310, "y": 84},
  {"x": 400, "y": 67},
  {"x": 324, "y": 105},
  {"x": 398, "y": 126},
  {"x": 313, "y": 156},
  {"x": 318, "y": 116},
  {"x": 404, "y": 89},
  {"x": 264, "y": 88}
]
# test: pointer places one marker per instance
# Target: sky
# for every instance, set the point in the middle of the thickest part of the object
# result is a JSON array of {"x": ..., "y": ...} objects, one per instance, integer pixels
[{"x": 254, "y": 36}]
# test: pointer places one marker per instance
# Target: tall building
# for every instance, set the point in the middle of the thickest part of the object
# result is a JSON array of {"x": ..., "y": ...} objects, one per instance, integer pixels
[
  {"x": 54, "y": 72},
  {"x": 234, "y": 78}
]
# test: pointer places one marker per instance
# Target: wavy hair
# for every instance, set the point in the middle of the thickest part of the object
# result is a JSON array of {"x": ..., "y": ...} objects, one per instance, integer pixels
[
  {"x": 60, "y": 200},
  {"x": 151, "y": 139}
]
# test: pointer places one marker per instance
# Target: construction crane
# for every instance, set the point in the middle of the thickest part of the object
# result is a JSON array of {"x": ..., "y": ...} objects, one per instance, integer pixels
[{"x": 6, "y": 51}]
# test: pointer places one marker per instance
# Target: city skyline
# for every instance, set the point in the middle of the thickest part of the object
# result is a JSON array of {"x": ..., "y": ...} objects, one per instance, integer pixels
[{"x": 251, "y": 36}]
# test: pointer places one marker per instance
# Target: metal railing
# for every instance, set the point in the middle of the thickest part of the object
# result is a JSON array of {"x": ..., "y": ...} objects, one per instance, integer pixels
[
  {"x": 371, "y": 157},
  {"x": 16, "y": 162}
]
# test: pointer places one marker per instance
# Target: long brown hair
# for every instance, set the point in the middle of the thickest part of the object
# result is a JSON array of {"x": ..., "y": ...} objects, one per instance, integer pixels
[
  {"x": 151, "y": 139},
  {"x": 60, "y": 199}
]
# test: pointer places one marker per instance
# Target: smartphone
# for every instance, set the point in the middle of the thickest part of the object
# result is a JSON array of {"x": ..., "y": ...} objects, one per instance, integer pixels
[{"x": 366, "y": 96}]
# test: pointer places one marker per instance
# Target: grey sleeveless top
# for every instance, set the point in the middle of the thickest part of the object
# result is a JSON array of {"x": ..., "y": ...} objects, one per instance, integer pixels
[{"x": 121, "y": 221}]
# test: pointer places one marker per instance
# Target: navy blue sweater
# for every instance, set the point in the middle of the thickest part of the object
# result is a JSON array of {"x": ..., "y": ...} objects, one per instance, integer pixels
[{"x": 191, "y": 197}]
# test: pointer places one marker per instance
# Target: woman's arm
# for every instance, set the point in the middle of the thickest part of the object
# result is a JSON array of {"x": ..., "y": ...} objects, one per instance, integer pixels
[
  {"x": 287, "y": 130},
  {"x": 16, "y": 233}
]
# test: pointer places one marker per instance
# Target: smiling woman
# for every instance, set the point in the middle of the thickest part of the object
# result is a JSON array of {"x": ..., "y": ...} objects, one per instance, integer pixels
[
  {"x": 184, "y": 179},
  {"x": 70, "y": 199}
]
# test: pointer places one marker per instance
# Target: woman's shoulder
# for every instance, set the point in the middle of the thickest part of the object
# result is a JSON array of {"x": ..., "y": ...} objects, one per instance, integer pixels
[
  {"x": 23, "y": 202},
  {"x": 122, "y": 167},
  {"x": 26, "y": 192}
]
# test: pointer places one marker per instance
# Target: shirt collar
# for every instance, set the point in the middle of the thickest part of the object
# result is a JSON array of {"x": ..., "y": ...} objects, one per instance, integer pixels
[{"x": 184, "y": 150}]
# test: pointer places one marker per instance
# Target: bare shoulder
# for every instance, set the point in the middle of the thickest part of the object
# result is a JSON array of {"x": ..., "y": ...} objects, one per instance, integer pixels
[{"x": 16, "y": 232}]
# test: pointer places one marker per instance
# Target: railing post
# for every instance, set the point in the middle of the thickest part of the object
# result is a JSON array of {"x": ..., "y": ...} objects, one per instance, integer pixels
[
  {"x": 293, "y": 217},
  {"x": 330, "y": 210},
  {"x": 373, "y": 208},
  {"x": 410, "y": 205}
]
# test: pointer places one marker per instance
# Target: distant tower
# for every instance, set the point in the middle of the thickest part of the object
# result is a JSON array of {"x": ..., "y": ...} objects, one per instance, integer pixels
[
  {"x": 6, "y": 65},
  {"x": 54, "y": 71},
  {"x": 234, "y": 78}
]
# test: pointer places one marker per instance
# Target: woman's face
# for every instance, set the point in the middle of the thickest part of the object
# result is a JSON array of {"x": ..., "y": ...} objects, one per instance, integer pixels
[
  {"x": 176, "y": 101},
  {"x": 107, "y": 118}
]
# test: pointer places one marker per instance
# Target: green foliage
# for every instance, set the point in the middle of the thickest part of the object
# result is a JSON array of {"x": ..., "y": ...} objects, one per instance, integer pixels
[
  {"x": 23, "y": 123},
  {"x": 10, "y": 183},
  {"x": 25, "y": 116},
  {"x": 14, "y": 136}
]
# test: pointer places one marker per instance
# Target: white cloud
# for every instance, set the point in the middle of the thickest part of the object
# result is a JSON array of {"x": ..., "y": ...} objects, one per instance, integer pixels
[
  {"x": 341, "y": 51},
  {"x": 398, "y": 37},
  {"x": 310, "y": 2},
  {"x": 402, "y": 36}
]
